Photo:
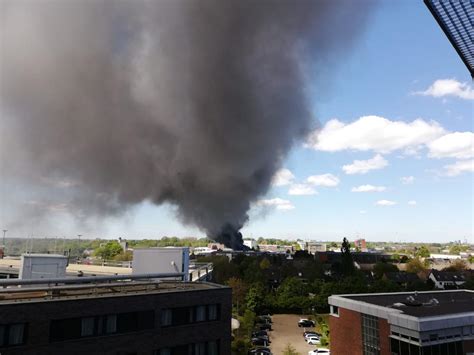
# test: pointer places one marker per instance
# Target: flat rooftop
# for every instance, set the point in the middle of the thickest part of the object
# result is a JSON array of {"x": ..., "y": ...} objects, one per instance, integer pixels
[
  {"x": 8, "y": 264},
  {"x": 421, "y": 304},
  {"x": 16, "y": 295}
]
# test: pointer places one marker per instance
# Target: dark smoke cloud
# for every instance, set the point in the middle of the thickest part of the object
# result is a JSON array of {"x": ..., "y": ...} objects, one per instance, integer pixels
[{"x": 194, "y": 103}]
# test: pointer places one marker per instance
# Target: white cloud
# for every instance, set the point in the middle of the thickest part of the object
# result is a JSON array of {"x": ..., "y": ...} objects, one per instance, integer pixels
[
  {"x": 458, "y": 145},
  {"x": 407, "y": 180},
  {"x": 459, "y": 167},
  {"x": 362, "y": 211},
  {"x": 327, "y": 180},
  {"x": 385, "y": 203},
  {"x": 301, "y": 190},
  {"x": 374, "y": 133},
  {"x": 449, "y": 87},
  {"x": 412, "y": 203},
  {"x": 364, "y": 166},
  {"x": 278, "y": 203},
  {"x": 368, "y": 188},
  {"x": 283, "y": 177}
]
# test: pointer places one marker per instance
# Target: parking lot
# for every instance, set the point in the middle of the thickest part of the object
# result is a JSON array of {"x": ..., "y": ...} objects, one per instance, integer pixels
[{"x": 286, "y": 330}]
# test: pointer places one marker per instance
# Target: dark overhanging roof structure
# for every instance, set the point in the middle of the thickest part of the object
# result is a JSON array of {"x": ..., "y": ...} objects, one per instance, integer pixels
[{"x": 456, "y": 19}]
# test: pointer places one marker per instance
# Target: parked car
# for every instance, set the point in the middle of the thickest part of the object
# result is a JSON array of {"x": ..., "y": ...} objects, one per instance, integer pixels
[
  {"x": 266, "y": 326},
  {"x": 265, "y": 318},
  {"x": 264, "y": 337},
  {"x": 319, "y": 352},
  {"x": 260, "y": 351},
  {"x": 312, "y": 336},
  {"x": 305, "y": 323},
  {"x": 258, "y": 333},
  {"x": 310, "y": 332},
  {"x": 313, "y": 340},
  {"x": 259, "y": 341}
]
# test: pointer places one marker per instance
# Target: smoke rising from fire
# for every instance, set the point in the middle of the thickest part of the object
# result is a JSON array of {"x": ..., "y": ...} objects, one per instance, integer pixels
[{"x": 194, "y": 103}]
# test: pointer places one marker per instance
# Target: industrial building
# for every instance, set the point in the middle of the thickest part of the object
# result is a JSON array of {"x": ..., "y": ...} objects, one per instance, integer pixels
[
  {"x": 114, "y": 315},
  {"x": 414, "y": 323},
  {"x": 151, "y": 308}
]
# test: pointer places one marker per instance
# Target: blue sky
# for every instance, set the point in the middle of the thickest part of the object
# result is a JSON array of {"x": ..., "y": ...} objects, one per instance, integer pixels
[{"x": 401, "y": 70}]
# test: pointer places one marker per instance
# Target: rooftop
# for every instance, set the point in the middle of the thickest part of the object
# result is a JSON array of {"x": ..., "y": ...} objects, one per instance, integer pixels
[
  {"x": 14, "y": 295},
  {"x": 422, "y": 304}
]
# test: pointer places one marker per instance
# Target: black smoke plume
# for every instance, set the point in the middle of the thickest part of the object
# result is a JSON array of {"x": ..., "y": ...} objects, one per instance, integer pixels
[{"x": 107, "y": 104}]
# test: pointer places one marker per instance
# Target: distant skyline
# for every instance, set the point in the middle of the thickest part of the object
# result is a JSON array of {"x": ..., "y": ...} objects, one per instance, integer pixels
[{"x": 392, "y": 159}]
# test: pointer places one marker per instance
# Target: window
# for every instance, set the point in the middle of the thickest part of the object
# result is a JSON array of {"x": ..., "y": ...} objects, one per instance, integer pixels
[
  {"x": 87, "y": 328},
  {"x": 166, "y": 317},
  {"x": 213, "y": 348},
  {"x": 2, "y": 334},
  {"x": 370, "y": 335},
  {"x": 187, "y": 315},
  {"x": 200, "y": 349},
  {"x": 111, "y": 324},
  {"x": 452, "y": 348},
  {"x": 12, "y": 334},
  {"x": 65, "y": 329},
  {"x": 334, "y": 310},
  {"x": 200, "y": 313},
  {"x": 213, "y": 312}
]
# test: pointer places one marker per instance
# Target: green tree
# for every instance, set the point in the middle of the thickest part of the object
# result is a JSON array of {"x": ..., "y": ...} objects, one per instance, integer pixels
[
  {"x": 239, "y": 292},
  {"x": 381, "y": 267},
  {"x": 265, "y": 264},
  {"x": 457, "y": 249},
  {"x": 108, "y": 250},
  {"x": 457, "y": 265},
  {"x": 292, "y": 295},
  {"x": 469, "y": 285},
  {"x": 415, "y": 266},
  {"x": 422, "y": 252},
  {"x": 382, "y": 285},
  {"x": 290, "y": 350},
  {"x": 255, "y": 298},
  {"x": 124, "y": 256},
  {"x": 347, "y": 263}
]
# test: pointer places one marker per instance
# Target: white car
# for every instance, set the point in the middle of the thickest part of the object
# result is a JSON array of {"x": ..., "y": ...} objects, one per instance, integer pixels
[
  {"x": 319, "y": 352},
  {"x": 313, "y": 340}
]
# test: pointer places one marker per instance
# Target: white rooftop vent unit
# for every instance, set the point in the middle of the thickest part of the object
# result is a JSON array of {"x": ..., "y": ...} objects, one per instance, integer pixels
[
  {"x": 42, "y": 266},
  {"x": 161, "y": 260}
]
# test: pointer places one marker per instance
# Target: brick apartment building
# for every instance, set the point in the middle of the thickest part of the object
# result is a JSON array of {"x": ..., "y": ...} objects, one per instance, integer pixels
[
  {"x": 415, "y": 323},
  {"x": 116, "y": 318}
]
